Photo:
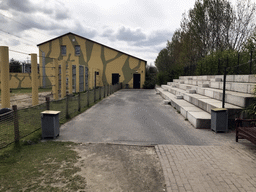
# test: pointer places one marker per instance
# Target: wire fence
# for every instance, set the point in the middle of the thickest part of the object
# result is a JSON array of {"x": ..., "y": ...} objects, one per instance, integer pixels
[{"x": 19, "y": 123}]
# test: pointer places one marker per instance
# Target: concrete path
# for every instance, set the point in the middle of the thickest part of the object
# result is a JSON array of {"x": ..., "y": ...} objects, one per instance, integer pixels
[{"x": 192, "y": 159}]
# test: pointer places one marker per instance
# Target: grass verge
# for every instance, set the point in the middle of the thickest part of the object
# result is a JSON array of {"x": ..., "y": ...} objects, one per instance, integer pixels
[
  {"x": 46, "y": 166},
  {"x": 28, "y": 90}
]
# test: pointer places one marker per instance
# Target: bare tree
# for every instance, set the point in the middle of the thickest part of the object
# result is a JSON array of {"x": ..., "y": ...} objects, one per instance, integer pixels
[{"x": 244, "y": 24}]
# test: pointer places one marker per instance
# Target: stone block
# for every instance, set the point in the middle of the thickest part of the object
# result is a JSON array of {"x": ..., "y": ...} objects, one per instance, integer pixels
[
  {"x": 230, "y": 78},
  {"x": 204, "y": 78},
  {"x": 252, "y": 79},
  {"x": 202, "y": 105},
  {"x": 205, "y": 85},
  {"x": 183, "y": 112},
  {"x": 208, "y": 93},
  {"x": 215, "y": 85},
  {"x": 242, "y": 78},
  {"x": 179, "y": 97},
  {"x": 209, "y": 77},
  {"x": 200, "y": 120},
  {"x": 199, "y": 90},
  {"x": 240, "y": 87},
  {"x": 228, "y": 86},
  {"x": 218, "y": 79},
  {"x": 217, "y": 95},
  {"x": 251, "y": 88},
  {"x": 191, "y": 91},
  {"x": 237, "y": 100}
]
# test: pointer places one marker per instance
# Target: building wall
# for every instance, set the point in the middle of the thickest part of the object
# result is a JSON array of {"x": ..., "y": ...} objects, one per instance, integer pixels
[
  {"x": 94, "y": 56},
  {"x": 20, "y": 80}
]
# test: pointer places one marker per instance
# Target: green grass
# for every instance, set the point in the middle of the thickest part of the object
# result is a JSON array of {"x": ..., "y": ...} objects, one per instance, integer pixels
[
  {"x": 30, "y": 118},
  {"x": 28, "y": 90},
  {"x": 38, "y": 167},
  {"x": 31, "y": 165}
]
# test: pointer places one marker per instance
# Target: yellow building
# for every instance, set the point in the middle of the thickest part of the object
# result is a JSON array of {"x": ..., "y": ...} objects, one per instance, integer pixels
[{"x": 104, "y": 64}]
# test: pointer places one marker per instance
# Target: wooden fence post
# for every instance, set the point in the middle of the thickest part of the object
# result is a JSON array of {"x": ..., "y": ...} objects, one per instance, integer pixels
[
  {"x": 47, "y": 103},
  {"x": 94, "y": 92},
  {"x": 99, "y": 93},
  {"x": 16, "y": 124},
  {"x": 88, "y": 98},
  {"x": 79, "y": 101},
  {"x": 67, "y": 100}
]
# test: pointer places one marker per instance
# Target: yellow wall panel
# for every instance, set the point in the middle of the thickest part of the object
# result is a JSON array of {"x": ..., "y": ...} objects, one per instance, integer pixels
[
  {"x": 109, "y": 54},
  {"x": 115, "y": 67},
  {"x": 96, "y": 57},
  {"x": 133, "y": 62},
  {"x": 82, "y": 43}
]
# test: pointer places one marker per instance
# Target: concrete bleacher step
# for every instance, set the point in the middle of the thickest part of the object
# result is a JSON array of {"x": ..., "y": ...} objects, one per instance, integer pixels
[
  {"x": 232, "y": 97},
  {"x": 196, "y": 116},
  {"x": 243, "y": 87},
  {"x": 203, "y": 102},
  {"x": 229, "y": 78}
]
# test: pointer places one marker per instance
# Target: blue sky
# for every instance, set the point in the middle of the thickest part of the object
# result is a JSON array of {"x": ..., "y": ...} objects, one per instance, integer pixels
[{"x": 137, "y": 27}]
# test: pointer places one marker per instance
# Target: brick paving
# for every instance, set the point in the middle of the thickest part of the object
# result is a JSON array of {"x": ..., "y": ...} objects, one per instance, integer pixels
[{"x": 207, "y": 168}]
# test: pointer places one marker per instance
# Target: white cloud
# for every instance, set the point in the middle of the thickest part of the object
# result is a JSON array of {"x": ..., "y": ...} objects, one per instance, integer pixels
[
  {"x": 137, "y": 27},
  {"x": 12, "y": 42}
]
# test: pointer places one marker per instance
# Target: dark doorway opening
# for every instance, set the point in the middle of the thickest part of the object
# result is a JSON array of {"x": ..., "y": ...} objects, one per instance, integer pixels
[
  {"x": 136, "y": 81},
  {"x": 115, "y": 78}
]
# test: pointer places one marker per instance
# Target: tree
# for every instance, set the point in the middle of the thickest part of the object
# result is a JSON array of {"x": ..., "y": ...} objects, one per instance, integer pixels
[
  {"x": 244, "y": 26},
  {"x": 208, "y": 29},
  {"x": 15, "y": 66},
  {"x": 163, "y": 61},
  {"x": 150, "y": 81}
]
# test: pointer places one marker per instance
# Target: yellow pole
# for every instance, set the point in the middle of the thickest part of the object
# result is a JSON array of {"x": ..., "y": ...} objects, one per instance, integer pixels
[
  {"x": 56, "y": 80},
  {"x": 34, "y": 79},
  {"x": 63, "y": 79},
  {"x": 5, "y": 88},
  {"x": 70, "y": 88}
]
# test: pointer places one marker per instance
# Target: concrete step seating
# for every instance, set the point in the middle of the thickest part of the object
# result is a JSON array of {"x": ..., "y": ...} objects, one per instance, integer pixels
[{"x": 195, "y": 96}]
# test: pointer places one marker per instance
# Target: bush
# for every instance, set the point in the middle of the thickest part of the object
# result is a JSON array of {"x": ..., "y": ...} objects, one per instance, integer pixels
[
  {"x": 162, "y": 78},
  {"x": 150, "y": 83},
  {"x": 150, "y": 80},
  {"x": 250, "y": 111}
]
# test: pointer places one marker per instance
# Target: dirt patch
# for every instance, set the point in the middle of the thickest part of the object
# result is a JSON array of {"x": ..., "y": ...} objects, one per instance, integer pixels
[
  {"x": 24, "y": 100},
  {"x": 119, "y": 168}
]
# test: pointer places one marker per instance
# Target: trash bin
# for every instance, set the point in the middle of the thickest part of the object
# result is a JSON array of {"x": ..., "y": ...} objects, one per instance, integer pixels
[
  {"x": 50, "y": 124},
  {"x": 219, "y": 120}
]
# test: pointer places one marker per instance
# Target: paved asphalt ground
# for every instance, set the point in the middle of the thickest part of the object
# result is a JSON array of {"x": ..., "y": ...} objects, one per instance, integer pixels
[
  {"x": 135, "y": 117},
  {"x": 192, "y": 159}
]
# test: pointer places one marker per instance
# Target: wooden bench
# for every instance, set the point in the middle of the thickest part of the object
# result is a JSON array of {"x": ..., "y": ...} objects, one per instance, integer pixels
[{"x": 246, "y": 129}]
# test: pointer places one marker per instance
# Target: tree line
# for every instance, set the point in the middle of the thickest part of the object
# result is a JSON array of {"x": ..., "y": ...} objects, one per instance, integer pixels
[{"x": 213, "y": 34}]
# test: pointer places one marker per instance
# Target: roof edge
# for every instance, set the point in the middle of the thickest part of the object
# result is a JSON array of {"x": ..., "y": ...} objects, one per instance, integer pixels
[{"x": 70, "y": 33}]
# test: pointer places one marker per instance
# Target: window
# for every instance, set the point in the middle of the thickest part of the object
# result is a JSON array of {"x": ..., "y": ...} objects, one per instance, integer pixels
[
  {"x": 63, "y": 50},
  {"x": 77, "y": 50}
]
